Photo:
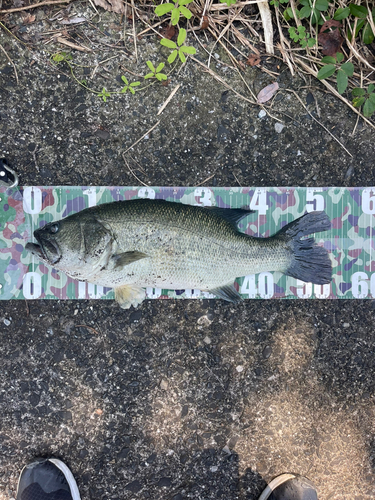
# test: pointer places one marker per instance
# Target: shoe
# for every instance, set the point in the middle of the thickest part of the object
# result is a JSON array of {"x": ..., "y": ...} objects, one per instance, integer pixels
[
  {"x": 47, "y": 479},
  {"x": 289, "y": 487}
]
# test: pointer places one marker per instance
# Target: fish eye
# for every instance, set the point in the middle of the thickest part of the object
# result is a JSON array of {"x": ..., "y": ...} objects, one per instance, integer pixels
[{"x": 54, "y": 228}]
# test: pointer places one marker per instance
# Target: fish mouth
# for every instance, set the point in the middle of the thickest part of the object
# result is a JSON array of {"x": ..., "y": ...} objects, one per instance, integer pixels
[{"x": 45, "y": 250}]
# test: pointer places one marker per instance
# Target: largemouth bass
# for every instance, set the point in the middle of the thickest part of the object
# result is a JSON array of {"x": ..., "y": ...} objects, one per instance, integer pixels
[{"x": 130, "y": 245}]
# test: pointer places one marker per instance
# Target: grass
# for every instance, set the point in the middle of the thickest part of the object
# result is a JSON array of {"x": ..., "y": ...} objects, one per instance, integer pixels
[{"x": 329, "y": 41}]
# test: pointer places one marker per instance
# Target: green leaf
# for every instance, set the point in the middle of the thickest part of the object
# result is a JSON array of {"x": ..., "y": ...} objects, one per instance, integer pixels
[
  {"x": 367, "y": 34},
  {"x": 132, "y": 90},
  {"x": 58, "y": 57},
  {"x": 305, "y": 12},
  {"x": 321, "y": 5},
  {"x": 124, "y": 79},
  {"x": 292, "y": 33},
  {"x": 161, "y": 76},
  {"x": 172, "y": 57},
  {"x": 359, "y": 26},
  {"x": 184, "y": 2},
  {"x": 124, "y": 89},
  {"x": 175, "y": 16},
  {"x": 181, "y": 37},
  {"x": 301, "y": 30},
  {"x": 358, "y": 101},
  {"x": 304, "y": 2},
  {"x": 151, "y": 66},
  {"x": 168, "y": 43},
  {"x": 135, "y": 84},
  {"x": 326, "y": 71},
  {"x": 149, "y": 75},
  {"x": 341, "y": 13},
  {"x": 163, "y": 9},
  {"x": 328, "y": 60},
  {"x": 339, "y": 57},
  {"x": 357, "y": 91},
  {"x": 368, "y": 108},
  {"x": 358, "y": 10},
  {"x": 348, "y": 68},
  {"x": 315, "y": 17},
  {"x": 182, "y": 56},
  {"x": 187, "y": 49},
  {"x": 372, "y": 98},
  {"x": 288, "y": 14},
  {"x": 311, "y": 42},
  {"x": 160, "y": 67},
  {"x": 342, "y": 81},
  {"x": 371, "y": 88},
  {"x": 185, "y": 12}
]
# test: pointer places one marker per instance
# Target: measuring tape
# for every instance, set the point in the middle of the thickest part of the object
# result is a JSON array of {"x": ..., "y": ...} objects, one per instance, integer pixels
[{"x": 350, "y": 242}]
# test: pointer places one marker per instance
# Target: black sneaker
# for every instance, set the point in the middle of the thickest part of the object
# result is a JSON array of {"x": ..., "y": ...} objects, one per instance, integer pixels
[
  {"x": 47, "y": 479},
  {"x": 289, "y": 487}
]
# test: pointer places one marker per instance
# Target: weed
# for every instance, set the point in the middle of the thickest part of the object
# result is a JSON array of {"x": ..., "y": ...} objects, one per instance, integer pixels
[
  {"x": 300, "y": 36},
  {"x": 178, "y": 48},
  {"x": 156, "y": 73},
  {"x": 331, "y": 65},
  {"x": 312, "y": 9},
  {"x": 228, "y": 2},
  {"x": 365, "y": 98},
  {"x": 104, "y": 94},
  {"x": 176, "y": 10},
  {"x": 129, "y": 86},
  {"x": 277, "y": 3}
]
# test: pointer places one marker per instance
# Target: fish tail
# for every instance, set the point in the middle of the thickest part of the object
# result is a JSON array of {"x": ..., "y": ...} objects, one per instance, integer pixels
[{"x": 310, "y": 262}]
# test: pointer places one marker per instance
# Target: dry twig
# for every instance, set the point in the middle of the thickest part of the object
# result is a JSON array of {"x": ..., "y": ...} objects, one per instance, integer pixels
[
  {"x": 11, "y": 62},
  {"x": 33, "y": 6}
]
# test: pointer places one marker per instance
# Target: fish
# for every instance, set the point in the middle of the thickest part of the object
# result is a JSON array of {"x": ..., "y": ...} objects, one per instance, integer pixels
[{"x": 131, "y": 245}]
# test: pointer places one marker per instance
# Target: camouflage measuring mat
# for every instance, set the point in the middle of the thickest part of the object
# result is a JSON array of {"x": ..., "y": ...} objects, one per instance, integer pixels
[{"x": 350, "y": 242}]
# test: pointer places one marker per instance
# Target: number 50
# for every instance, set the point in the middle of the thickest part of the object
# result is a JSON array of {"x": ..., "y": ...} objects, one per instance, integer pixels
[{"x": 314, "y": 202}]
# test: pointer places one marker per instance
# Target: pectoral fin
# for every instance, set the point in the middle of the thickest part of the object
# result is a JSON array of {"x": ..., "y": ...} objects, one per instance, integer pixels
[
  {"x": 227, "y": 292},
  {"x": 126, "y": 258},
  {"x": 129, "y": 295}
]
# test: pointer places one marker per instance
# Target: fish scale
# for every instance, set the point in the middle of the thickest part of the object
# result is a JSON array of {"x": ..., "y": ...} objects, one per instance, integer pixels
[
  {"x": 350, "y": 241},
  {"x": 132, "y": 245},
  {"x": 189, "y": 246}
]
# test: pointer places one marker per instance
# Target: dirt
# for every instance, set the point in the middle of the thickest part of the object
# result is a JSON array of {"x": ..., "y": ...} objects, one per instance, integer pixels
[{"x": 181, "y": 399}]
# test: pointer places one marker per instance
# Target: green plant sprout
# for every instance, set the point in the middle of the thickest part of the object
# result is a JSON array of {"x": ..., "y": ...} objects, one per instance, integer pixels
[
  {"x": 104, "y": 94},
  {"x": 367, "y": 99},
  {"x": 176, "y": 10},
  {"x": 179, "y": 48},
  {"x": 155, "y": 73},
  {"x": 300, "y": 36},
  {"x": 230, "y": 2},
  {"x": 331, "y": 65},
  {"x": 129, "y": 86},
  {"x": 361, "y": 13},
  {"x": 61, "y": 57},
  {"x": 313, "y": 9},
  {"x": 276, "y": 3}
]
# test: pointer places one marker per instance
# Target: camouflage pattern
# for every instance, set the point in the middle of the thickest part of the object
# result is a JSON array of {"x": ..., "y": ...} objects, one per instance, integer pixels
[{"x": 350, "y": 241}]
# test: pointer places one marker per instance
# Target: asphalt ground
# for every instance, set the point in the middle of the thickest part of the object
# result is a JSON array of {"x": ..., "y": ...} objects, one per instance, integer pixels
[{"x": 181, "y": 399}]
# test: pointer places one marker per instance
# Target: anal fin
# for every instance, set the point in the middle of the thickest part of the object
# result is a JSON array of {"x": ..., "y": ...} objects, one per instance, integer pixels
[
  {"x": 228, "y": 293},
  {"x": 129, "y": 295}
]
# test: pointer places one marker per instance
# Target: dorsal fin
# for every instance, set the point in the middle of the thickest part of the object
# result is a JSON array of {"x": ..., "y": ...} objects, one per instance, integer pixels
[{"x": 232, "y": 215}]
